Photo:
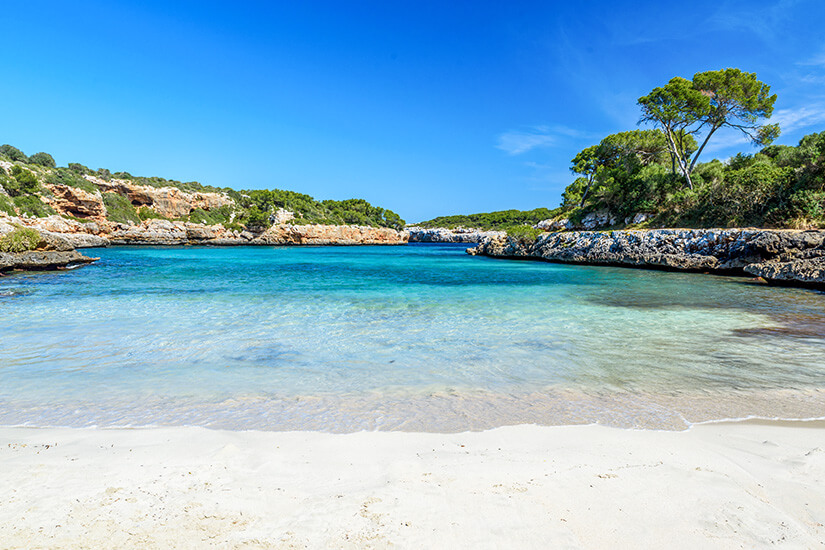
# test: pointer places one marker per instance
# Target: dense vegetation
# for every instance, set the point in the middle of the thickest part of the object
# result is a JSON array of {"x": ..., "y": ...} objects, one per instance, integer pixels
[
  {"x": 28, "y": 177},
  {"x": 657, "y": 171},
  {"x": 493, "y": 220}
]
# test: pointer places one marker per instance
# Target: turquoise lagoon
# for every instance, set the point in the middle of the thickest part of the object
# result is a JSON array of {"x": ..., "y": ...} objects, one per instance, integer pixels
[{"x": 419, "y": 337}]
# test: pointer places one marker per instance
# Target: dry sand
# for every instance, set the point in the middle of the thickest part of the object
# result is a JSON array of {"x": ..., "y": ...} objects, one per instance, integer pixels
[{"x": 744, "y": 485}]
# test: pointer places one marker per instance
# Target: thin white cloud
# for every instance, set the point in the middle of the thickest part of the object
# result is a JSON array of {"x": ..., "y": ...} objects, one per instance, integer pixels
[
  {"x": 516, "y": 142},
  {"x": 817, "y": 60},
  {"x": 790, "y": 120},
  {"x": 766, "y": 23}
]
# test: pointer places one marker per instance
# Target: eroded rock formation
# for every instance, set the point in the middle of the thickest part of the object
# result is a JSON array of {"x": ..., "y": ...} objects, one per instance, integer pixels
[{"x": 777, "y": 255}]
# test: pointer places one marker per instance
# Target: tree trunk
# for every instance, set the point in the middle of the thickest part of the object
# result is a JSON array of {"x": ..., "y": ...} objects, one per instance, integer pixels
[
  {"x": 679, "y": 156},
  {"x": 699, "y": 152},
  {"x": 586, "y": 189}
]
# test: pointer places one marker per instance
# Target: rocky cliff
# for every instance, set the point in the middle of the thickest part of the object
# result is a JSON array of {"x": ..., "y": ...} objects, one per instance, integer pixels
[
  {"x": 49, "y": 251},
  {"x": 165, "y": 232},
  {"x": 781, "y": 256},
  {"x": 444, "y": 235}
]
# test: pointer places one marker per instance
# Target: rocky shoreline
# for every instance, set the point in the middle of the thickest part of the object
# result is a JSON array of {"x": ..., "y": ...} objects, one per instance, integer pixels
[
  {"x": 445, "y": 235},
  {"x": 779, "y": 256},
  {"x": 90, "y": 234}
]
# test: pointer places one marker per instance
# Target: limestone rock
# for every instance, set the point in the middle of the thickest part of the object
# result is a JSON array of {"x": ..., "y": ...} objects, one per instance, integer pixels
[
  {"x": 444, "y": 235},
  {"x": 73, "y": 201},
  {"x": 42, "y": 260},
  {"x": 169, "y": 202},
  {"x": 554, "y": 225},
  {"x": 809, "y": 271},
  {"x": 780, "y": 255}
]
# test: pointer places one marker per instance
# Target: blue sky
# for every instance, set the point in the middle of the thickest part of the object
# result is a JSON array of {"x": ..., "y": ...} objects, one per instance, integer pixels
[{"x": 426, "y": 108}]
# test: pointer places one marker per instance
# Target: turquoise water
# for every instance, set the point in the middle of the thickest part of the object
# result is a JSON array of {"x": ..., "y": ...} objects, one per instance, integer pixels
[{"x": 421, "y": 337}]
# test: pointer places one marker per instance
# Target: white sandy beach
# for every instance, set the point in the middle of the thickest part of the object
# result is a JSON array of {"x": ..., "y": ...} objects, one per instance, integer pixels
[{"x": 742, "y": 485}]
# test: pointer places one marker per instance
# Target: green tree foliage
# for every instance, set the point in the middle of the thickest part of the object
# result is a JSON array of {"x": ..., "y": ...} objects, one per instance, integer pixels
[
  {"x": 499, "y": 220},
  {"x": 42, "y": 159},
  {"x": 13, "y": 153},
  {"x": 67, "y": 176},
  {"x": 259, "y": 205},
  {"x": 780, "y": 186},
  {"x": 22, "y": 182},
  {"x": 711, "y": 101},
  {"x": 80, "y": 169}
]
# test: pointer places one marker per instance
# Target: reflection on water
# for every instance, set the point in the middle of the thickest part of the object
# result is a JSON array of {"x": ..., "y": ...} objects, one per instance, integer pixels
[{"x": 420, "y": 337}]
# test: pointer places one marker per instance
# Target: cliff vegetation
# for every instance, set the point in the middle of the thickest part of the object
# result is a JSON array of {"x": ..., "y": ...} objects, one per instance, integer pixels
[
  {"x": 35, "y": 186},
  {"x": 659, "y": 177}
]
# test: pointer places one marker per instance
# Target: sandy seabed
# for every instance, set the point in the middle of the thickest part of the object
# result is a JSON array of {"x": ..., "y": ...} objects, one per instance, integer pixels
[{"x": 732, "y": 485}]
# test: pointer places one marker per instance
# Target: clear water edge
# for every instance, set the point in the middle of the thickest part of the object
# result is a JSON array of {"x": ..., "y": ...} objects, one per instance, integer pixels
[{"x": 420, "y": 338}]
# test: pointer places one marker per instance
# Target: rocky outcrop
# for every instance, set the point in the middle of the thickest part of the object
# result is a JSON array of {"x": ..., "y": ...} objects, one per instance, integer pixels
[
  {"x": 52, "y": 252},
  {"x": 42, "y": 260},
  {"x": 73, "y": 201},
  {"x": 167, "y": 232},
  {"x": 776, "y": 255},
  {"x": 330, "y": 234},
  {"x": 169, "y": 202},
  {"x": 444, "y": 235},
  {"x": 805, "y": 271}
]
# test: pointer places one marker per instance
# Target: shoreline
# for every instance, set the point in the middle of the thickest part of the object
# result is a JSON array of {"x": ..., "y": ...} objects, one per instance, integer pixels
[{"x": 722, "y": 485}]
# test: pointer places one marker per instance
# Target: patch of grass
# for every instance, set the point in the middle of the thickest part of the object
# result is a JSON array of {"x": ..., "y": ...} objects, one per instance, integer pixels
[
  {"x": 21, "y": 239},
  {"x": 119, "y": 209}
]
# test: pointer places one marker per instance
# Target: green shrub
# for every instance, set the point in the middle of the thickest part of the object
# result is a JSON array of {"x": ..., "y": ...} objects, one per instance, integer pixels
[
  {"x": 524, "y": 233},
  {"x": 13, "y": 153},
  {"x": 79, "y": 168},
  {"x": 146, "y": 213},
  {"x": 494, "y": 220},
  {"x": 42, "y": 159},
  {"x": 211, "y": 217},
  {"x": 24, "y": 182},
  {"x": 20, "y": 240},
  {"x": 7, "y": 205},
  {"x": 66, "y": 176},
  {"x": 32, "y": 206},
  {"x": 119, "y": 209}
]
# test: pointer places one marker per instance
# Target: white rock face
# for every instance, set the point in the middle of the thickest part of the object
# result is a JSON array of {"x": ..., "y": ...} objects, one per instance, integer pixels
[
  {"x": 444, "y": 235},
  {"x": 636, "y": 219},
  {"x": 281, "y": 216},
  {"x": 554, "y": 225},
  {"x": 598, "y": 219}
]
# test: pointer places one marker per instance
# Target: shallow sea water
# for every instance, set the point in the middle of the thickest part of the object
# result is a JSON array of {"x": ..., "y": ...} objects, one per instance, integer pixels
[{"x": 420, "y": 337}]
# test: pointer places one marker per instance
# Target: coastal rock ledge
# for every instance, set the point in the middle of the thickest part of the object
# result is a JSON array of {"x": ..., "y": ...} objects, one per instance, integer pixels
[{"x": 778, "y": 255}]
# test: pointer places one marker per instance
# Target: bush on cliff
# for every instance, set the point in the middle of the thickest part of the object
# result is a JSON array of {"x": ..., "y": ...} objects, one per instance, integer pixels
[
  {"x": 23, "y": 182},
  {"x": 42, "y": 159},
  {"x": 119, "y": 209},
  {"x": 21, "y": 239},
  {"x": 31, "y": 205},
  {"x": 492, "y": 220},
  {"x": 211, "y": 217},
  {"x": 67, "y": 176},
  {"x": 7, "y": 205},
  {"x": 13, "y": 153}
]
